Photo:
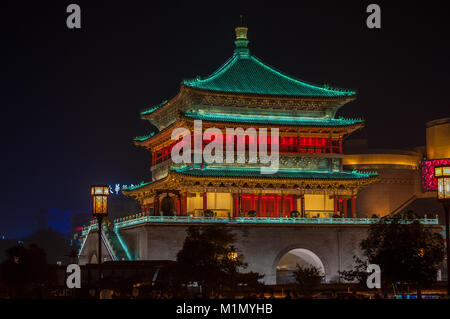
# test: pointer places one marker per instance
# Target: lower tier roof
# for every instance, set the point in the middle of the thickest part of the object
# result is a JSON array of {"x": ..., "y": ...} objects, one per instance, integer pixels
[
  {"x": 252, "y": 173},
  {"x": 280, "y": 174}
]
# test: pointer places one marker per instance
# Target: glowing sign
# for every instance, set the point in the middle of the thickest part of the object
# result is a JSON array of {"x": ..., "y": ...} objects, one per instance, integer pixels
[
  {"x": 116, "y": 189},
  {"x": 429, "y": 182}
]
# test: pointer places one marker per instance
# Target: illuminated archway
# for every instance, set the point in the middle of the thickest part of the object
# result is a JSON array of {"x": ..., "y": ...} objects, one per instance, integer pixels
[{"x": 288, "y": 264}]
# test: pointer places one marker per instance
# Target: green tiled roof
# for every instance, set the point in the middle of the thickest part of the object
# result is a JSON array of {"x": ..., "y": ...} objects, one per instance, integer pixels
[
  {"x": 244, "y": 73},
  {"x": 144, "y": 137},
  {"x": 141, "y": 184},
  {"x": 282, "y": 173},
  {"x": 153, "y": 108},
  {"x": 262, "y": 119}
]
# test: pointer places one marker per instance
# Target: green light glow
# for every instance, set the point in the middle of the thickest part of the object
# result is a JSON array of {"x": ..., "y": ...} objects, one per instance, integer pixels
[
  {"x": 226, "y": 171},
  {"x": 144, "y": 138},
  {"x": 141, "y": 184},
  {"x": 260, "y": 220},
  {"x": 254, "y": 118},
  {"x": 153, "y": 108},
  {"x": 124, "y": 246}
]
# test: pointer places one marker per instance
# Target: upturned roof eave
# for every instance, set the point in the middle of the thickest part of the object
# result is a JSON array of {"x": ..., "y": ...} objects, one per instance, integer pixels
[{"x": 272, "y": 96}]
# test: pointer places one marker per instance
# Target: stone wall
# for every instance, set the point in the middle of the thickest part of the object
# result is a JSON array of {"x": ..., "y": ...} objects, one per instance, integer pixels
[{"x": 262, "y": 245}]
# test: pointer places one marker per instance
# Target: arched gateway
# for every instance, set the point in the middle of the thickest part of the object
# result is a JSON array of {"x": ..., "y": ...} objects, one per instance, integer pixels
[{"x": 288, "y": 264}]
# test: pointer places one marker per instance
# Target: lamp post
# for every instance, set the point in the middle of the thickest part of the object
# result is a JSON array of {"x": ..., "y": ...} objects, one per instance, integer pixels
[
  {"x": 99, "y": 195},
  {"x": 442, "y": 174}
]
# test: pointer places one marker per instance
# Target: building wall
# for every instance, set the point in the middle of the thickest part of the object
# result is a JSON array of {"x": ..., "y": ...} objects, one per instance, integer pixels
[
  {"x": 317, "y": 204},
  {"x": 262, "y": 246},
  {"x": 90, "y": 250},
  {"x": 438, "y": 139},
  {"x": 399, "y": 179},
  {"x": 395, "y": 187},
  {"x": 222, "y": 203},
  {"x": 194, "y": 202}
]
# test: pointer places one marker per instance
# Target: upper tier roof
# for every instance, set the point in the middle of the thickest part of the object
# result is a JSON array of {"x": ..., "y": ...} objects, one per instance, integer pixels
[
  {"x": 244, "y": 73},
  {"x": 249, "y": 75}
]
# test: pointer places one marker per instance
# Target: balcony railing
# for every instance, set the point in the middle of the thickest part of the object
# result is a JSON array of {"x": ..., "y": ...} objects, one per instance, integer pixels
[{"x": 141, "y": 219}]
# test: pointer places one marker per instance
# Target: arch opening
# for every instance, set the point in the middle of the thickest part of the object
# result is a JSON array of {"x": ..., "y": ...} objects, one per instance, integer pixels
[{"x": 288, "y": 264}]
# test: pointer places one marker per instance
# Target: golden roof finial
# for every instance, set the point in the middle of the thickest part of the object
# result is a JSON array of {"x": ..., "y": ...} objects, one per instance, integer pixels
[{"x": 241, "y": 36}]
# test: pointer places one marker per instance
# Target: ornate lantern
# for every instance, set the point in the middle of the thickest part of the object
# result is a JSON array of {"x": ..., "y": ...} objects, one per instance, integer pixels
[
  {"x": 442, "y": 174},
  {"x": 100, "y": 200}
]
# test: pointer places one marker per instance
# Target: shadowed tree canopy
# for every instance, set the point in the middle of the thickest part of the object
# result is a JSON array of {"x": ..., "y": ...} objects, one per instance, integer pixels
[
  {"x": 406, "y": 251},
  {"x": 24, "y": 266},
  {"x": 307, "y": 279},
  {"x": 209, "y": 258}
]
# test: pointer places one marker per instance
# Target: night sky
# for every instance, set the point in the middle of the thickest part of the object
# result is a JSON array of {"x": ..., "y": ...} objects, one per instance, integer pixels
[{"x": 70, "y": 99}]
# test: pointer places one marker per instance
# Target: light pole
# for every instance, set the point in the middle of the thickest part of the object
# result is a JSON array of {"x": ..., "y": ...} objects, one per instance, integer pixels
[
  {"x": 442, "y": 174},
  {"x": 99, "y": 211}
]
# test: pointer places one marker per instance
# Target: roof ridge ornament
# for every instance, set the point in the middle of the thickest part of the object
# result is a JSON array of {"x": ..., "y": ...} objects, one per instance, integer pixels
[{"x": 241, "y": 41}]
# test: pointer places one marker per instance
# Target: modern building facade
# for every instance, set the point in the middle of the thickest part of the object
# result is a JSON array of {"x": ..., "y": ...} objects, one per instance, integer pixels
[{"x": 406, "y": 176}]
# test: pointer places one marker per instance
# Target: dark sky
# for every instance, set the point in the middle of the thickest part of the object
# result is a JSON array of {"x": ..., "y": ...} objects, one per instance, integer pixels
[{"x": 70, "y": 99}]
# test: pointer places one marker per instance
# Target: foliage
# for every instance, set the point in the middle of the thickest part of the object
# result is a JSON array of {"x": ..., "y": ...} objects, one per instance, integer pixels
[
  {"x": 208, "y": 213},
  {"x": 209, "y": 258},
  {"x": 55, "y": 245},
  {"x": 26, "y": 269},
  {"x": 307, "y": 279},
  {"x": 295, "y": 214},
  {"x": 252, "y": 213},
  {"x": 406, "y": 251},
  {"x": 358, "y": 273}
]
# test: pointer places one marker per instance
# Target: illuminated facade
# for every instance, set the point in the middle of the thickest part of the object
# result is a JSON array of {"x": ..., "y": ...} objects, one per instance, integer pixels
[
  {"x": 247, "y": 93},
  {"x": 406, "y": 177},
  {"x": 306, "y": 213}
]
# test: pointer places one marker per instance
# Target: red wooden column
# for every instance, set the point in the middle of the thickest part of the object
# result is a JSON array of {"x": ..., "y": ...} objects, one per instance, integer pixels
[
  {"x": 178, "y": 205},
  {"x": 302, "y": 205},
  {"x": 205, "y": 201},
  {"x": 294, "y": 202},
  {"x": 235, "y": 205},
  {"x": 353, "y": 206},
  {"x": 345, "y": 208},
  {"x": 282, "y": 206},
  {"x": 156, "y": 205},
  {"x": 184, "y": 204},
  {"x": 260, "y": 210},
  {"x": 239, "y": 207},
  {"x": 335, "y": 205}
]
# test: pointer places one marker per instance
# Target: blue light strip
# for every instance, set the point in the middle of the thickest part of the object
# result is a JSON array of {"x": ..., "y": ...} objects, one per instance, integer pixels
[{"x": 124, "y": 246}]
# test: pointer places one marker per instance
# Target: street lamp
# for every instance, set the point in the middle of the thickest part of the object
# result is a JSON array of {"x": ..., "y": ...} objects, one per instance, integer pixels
[
  {"x": 442, "y": 174},
  {"x": 99, "y": 195}
]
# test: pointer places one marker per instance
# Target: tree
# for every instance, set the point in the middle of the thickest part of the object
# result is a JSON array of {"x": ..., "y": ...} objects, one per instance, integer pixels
[
  {"x": 209, "y": 258},
  {"x": 307, "y": 279},
  {"x": 406, "y": 251},
  {"x": 55, "y": 244},
  {"x": 25, "y": 269}
]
